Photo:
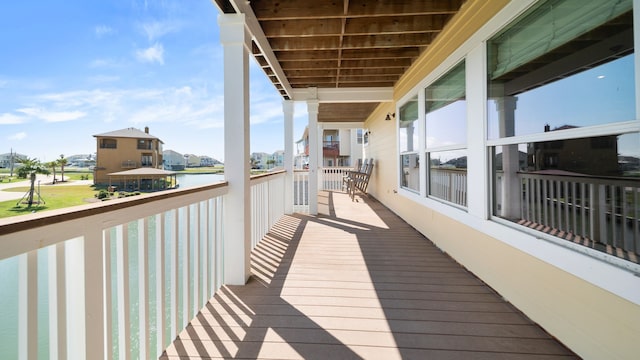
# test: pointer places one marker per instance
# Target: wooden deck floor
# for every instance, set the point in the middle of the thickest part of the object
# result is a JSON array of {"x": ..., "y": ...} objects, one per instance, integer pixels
[{"x": 358, "y": 282}]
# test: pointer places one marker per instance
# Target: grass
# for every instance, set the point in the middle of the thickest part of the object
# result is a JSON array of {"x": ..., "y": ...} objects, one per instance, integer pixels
[{"x": 55, "y": 197}]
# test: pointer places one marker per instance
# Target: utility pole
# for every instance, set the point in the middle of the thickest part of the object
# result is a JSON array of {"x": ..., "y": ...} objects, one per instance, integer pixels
[{"x": 11, "y": 162}]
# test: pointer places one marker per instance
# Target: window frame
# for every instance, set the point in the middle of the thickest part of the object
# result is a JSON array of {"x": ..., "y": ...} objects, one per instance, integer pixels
[{"x": 575, "y": 259}]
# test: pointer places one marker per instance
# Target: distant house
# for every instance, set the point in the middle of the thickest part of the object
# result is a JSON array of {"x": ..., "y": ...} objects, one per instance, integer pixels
[
  {"x": 208, "y": 161},
  {"x": 126, "y": 149},
  {"x": 173, "y": 160},
  {"x": 81, "y": 160},
  {"x": 8, "y": 158},
  {"x": 191, "y": 160},
  {"x": 340, "y": 147},
  {"x": 259, "y": 160}
]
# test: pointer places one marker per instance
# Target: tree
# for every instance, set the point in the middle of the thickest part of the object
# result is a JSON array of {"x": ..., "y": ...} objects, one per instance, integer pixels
[
  {"x": 31, "y": 167},
  {"x": 52, "y": 165},
  {"x": 62, "y": 162}
]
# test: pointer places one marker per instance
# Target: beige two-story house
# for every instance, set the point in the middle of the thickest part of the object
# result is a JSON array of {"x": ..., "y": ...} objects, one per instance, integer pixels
[{"x": 126, "y": 149}]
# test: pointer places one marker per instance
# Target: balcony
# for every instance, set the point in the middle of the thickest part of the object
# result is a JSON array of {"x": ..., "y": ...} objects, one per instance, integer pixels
[
  {"x": 353, "y": 282},
  {"x": 129, "y": 164},
  {"x": 357, "y": 282}
]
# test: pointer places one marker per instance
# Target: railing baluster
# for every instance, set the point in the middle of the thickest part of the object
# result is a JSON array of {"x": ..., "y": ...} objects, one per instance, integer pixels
[
  {"x": 57, "y": 302},
  {"x": 196, "y": 259},
  {"x": 205, "y": 226},
  {"x": 174, "y": 220},
  {"x": 143, "y": 288},
  {"x": 28, "y": 306},
  {"x": 122, "y": 279},
  {"x": 185, "y": 238},
  {"x": 108, "y": 295},
  {"x": 636, "y": 221},
  {"x": 160, "y": 284}
]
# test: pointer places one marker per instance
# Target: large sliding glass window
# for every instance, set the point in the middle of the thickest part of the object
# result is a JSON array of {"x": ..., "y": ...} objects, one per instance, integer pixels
[
  {"x": 562, "y": 125},
  {"x": 446, "y": 137},
  {"x": 409, "y": 136}
]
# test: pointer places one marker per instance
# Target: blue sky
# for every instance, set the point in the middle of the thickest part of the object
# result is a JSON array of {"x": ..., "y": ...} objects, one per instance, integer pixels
[{"x": 71, "y": 69}]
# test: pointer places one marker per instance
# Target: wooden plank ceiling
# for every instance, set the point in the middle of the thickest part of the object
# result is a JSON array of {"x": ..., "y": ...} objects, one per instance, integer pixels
[{"x": 344, "y": 44}]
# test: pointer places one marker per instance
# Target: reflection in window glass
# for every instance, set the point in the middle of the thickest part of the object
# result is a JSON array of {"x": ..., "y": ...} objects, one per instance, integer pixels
[
  {"x": 448, "y": 176},
  {"x": 573, "y": 188},
  {"x": 446, "y": 109},
  {"x": 536, "y": 68},
  {"x": 562, "y": 66},
  {"x": 408, "y": 124},
  {"x": 410, "y": 176}
]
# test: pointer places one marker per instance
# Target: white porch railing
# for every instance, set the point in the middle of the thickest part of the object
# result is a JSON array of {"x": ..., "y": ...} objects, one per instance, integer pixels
[
  {"x": 449, "y": 185},
  {"x": 267, "y": 203},
  {"x": 332, "y": 178},
  {"x": 119, "y": 279},
  {"x": 603, "y": 210},
  {"x": 301, "y": 191}
]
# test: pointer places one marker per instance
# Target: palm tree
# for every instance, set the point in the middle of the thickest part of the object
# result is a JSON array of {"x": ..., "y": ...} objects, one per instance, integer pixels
[
  {"x": 52, "y": 165},
  {"x": 62, "y": 162},
  {"x": 31, "y": 167}
]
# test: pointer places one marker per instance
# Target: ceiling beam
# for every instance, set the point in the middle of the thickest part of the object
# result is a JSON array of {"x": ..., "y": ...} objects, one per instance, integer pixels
[{"x": 345, "y": 95}]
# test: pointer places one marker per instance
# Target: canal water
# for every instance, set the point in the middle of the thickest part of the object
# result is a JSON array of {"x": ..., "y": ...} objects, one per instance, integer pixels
[{"x": 9, "y": 287}]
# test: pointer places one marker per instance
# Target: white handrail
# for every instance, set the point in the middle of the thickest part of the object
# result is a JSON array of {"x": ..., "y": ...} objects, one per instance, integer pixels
[{"x": 137, "y": 250}]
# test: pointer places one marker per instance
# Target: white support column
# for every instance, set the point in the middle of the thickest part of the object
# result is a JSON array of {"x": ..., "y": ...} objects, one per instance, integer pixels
[
  {"x": 287, "y": 108},
  {"x": 237, "y": 217},
  {"x": 320, "y": 157},
  {"x": 511, "y": 187},
  {"x": 312, "y": 110}
]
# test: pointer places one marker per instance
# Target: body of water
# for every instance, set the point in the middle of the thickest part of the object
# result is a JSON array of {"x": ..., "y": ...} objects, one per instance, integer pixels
[{"x": 190, "y": 180}]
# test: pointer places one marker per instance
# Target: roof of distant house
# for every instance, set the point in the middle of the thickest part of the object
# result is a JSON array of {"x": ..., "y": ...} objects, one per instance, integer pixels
[
  {"x": 128, "y": 133},
  {"x": 142, "y": 172}
]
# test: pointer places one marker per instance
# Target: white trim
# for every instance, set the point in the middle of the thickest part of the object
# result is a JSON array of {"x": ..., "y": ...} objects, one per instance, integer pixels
[
  {"x": 341, "y": 125},
  {"x": 345, "y": 95},
  {"x": 581, "y": 132},
  {"x": 590, "y": 265}
]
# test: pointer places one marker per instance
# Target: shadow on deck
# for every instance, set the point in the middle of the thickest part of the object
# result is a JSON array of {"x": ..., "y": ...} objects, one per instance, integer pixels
[{"x": 358, "y": 282}]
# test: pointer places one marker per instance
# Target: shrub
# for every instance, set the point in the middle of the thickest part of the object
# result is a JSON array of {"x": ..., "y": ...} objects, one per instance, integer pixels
[{"x": 102, "y": 194}]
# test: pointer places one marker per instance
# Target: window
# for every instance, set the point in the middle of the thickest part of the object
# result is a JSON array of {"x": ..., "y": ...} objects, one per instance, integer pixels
[
  {"x": 556, "y": 77},
  {"x": 446, "y": 132},
  {"x": 408, "y": 132},
  {"x": 359, "y": 136},
  {"x": 144, "y": 144},
  {"x": 108, "y": 143},
  {"x": 147, "y": 160}
]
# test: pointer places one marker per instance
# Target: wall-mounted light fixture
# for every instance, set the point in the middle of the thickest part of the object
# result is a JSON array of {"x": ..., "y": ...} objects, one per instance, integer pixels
[{"x": 390, "y": 116}]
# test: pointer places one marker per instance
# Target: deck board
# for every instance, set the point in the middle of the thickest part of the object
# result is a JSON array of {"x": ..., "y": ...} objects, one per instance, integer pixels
[{"x": 357, "y": 282}]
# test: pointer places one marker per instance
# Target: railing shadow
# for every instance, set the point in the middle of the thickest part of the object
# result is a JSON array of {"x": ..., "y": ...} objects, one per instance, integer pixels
[
  {"x": 240, "y": 322},
  {"x": 386, "y": 291}
]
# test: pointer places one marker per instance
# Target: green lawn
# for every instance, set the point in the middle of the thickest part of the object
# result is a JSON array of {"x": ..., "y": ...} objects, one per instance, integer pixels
[{"x": 55, "y": 197}]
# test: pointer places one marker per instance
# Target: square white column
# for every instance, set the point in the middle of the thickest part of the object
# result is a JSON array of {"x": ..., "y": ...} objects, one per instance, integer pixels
[
  {"x": 287, "y": 109},
  {"x": 312, "y": 110},
  {"x": 236, "y": 43}
]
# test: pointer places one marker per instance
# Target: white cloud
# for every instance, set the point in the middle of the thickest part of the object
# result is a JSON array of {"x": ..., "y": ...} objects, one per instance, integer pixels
[
  {"x": 150, "y": 55},
  {"x": 157, "y": 29},
  {"x": 18, "y": 136},
  {"x": 102, "y": 30},
  {"x": 11, "y": 119},
  {"x": 53, "y": 116}
]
